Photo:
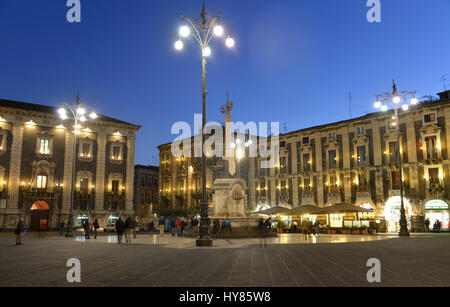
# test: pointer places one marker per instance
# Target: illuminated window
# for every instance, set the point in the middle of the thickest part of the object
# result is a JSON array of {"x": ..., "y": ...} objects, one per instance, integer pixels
[
  {"x": 44, "y": 147},
  {"x": 115, "y": 186},
  {"x": 41, "y": 182},
  {"x": 85, "y": 150},
  {"x": 361, "y": 150},
  {"x": 332, "y": 159},
  {"x": 116, "y": 150},
  {"x": 84, "y": 185}
]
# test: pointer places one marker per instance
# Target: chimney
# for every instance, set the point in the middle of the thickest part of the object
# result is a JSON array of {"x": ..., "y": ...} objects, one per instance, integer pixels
[{"x": 444, "y": 95}]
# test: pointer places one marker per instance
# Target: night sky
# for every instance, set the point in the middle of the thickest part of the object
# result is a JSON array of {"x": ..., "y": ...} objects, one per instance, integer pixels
[{"x": 295, "y": 61}]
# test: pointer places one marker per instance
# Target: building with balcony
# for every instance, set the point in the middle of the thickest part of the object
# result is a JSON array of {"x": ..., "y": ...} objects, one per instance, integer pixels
[
  {"x": 355, "y": 161},
  {"x": 146, "y": 187},
  {"x": 36, "y": 167}
]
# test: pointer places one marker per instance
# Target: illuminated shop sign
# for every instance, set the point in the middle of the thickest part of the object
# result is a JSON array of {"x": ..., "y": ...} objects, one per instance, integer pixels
[{"x": 436, "y": 204}]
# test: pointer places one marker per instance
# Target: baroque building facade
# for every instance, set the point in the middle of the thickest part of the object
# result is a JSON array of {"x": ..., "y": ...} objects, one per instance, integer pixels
[
  {"x": 352, "y": 161},
  {"x": 36, "y": 167},
  {"x": 146, "y": 184}
]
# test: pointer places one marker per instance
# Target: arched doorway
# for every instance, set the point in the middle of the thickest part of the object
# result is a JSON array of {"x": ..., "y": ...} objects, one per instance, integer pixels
[
  {"x": 392, "y": 213},
  {"x": 39, "y": 215}
]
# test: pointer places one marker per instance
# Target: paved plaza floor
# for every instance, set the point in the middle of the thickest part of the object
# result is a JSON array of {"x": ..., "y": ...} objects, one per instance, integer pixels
[{"x": 153, "y": 260}]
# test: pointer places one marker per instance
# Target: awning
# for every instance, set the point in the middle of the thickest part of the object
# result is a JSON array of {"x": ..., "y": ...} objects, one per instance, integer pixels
[
  {"x": 274, "y": 211},
  {"x": 307, "y": 209},
  {"x": 341, "y": 208}
]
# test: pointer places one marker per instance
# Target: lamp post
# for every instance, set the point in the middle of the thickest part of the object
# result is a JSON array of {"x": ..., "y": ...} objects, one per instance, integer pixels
[
  {"x": 203, "y": 30},
  {"x": 78, "y": 113},
  {"x": 395, "y": 99}
]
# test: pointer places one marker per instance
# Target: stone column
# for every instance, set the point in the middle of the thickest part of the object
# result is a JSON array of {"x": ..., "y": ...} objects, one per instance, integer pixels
[
  {"x": 412, "y": 153},
  {"x": 130, "y": 173},
  {"x": 378, "y": 160},
  {"x": 100, "y": 172},
  {"x": 15, "y": 165},
  {"x": 346, "y": 156},
  {"x": 295, "y": 192},
  {"x": 319, "y": 170},
  {"x": 68, "y": 169},
  {"x": 294, "y": 157}
]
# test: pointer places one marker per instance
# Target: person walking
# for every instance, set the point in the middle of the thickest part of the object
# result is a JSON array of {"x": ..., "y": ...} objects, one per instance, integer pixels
[
  {"x": 306, "y": 229},
  {"x": 129, "y": 226},
  {"x": 119, "y": 229},
  {"x": 183, "y": 224},
  {"x": 135, "y": 228},
  {"x": 61, "y": 228},
  {"x": 19, "y": 232},
  {"x": 172, "y": 227},
  {"x": 178, "y": 227},
  {"x": 427, "y": 225},
  {"x": 316, "y": 227},
  {"x": 86, "y": 228},
  {"x": 96, "y": 227},
  {"x": 161, "y": 225}
]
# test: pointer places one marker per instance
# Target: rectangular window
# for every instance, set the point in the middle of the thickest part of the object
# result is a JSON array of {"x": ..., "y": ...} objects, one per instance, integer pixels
[
  {"x": 44, "y": 147},
  {"x": 307, "y": 185},
  {"x": 85, "y": 150},
  {"x": 84, "y": 185},
  {"x": 41, "y": 182},
  {"x": 333, "y": 184},
  {"x": 429, "y": 118},
  {"x": 431, "y": 147},
  {"x": 331, "y": 136},
  {"x": 299, "y": 161},
  {"x": 283, "y": 144},
  {"x": 395, "y": 180},
  {"x": 361, "y": 158},
  {"x": 305, "y": 140},
  {"x": 332, "y": 159},
  {"x": 283, "y": 165},
  {"x": 306, "y": 163},
  {"x": 393, "y": 152},
  {"x": 434, "y": 177},
  {"x": 115, "y": 186},
  {"x": 116, "y": 153},
  {"x": 360, "y": 131}
]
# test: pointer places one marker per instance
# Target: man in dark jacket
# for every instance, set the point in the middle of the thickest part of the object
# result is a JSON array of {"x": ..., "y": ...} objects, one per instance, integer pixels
[
  {"x": 119, "y": 228},
  {"x": 19, "y": 232},
  {"x": 96, "y": 227},
  {"x": 129, "y": 226}
]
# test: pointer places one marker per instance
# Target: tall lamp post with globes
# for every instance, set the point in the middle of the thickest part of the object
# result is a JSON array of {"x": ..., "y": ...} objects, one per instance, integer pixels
[
  {"x": 78, "y": 113},
  {"x": 395, "y": 99},
  {"x": 203, "y": 31}
]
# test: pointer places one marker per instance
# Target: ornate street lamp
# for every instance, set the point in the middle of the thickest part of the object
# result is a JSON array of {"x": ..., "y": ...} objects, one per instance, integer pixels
[
  {"x": 204, "y": 30},
  {"x": 78, "y": 113},
  {"x": 395, "y": 99}
]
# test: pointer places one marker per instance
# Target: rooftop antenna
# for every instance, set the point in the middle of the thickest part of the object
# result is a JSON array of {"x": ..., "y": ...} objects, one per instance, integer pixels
[
  {"x": 350, "y": 103},
  {"x": 444, "y": 80}
]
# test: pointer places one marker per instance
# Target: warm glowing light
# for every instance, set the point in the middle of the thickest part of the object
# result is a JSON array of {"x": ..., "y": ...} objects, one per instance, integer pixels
[
  {"x": 206, "y": 52},
  {"x": 239, "y": 154},
  {"x": 83, "y": 118},
  {"x": 384, "y": 108},
  {"x": 93, "y": 115},
  {"x": 396, "y": 99},
  {"x": 405, "y": 107},
  {"x": 81, "y": 111},
  {"x": 218, "y": 30},
  {"x": 230, "y": 42},
  {"x": 2, "y": 119},
  {"x": 377, "y": 104},
  {"x": 117, "y": 133},
  {"x": 87, "y": 130},
  {"x": 185, "y": 31},
  {"x": 179, "y": 45},
  {"x": 60, "y": 127},
  {"x": 30, "y": 123},
  {"x": 62, "y": 111},
  {"x": 414, "y": 101}
]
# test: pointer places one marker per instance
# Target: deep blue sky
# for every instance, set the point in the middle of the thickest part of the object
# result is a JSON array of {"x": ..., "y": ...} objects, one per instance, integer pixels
[{"x": 295, "y": 61}]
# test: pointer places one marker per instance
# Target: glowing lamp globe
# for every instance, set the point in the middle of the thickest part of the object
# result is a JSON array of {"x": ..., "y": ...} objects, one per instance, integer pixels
[
  {"x": 218, "y": 30},
  {"x": 230, "y": 42},
  {"x": 185, "y": 31},
  {"x": 377, "y": 104},
  {"x": 179, "y": 45}
]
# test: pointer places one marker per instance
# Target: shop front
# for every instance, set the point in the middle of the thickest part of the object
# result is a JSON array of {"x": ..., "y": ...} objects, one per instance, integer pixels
[
  {"x": 392, "y": 213},
  {"x": 81, "y": 219},
  {"x": 437, "y": 210}
]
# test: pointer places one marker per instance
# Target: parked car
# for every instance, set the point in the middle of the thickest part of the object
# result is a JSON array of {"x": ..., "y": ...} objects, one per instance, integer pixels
[{"x": 110, "y": 228}]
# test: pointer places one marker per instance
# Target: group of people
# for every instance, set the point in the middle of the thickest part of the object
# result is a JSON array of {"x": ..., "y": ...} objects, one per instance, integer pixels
[
  {"x": 437, "y": 226},
  {"x": 87, "y": 227},
  {"x": 129, "y": 227},
  {"x": 176, "y": 226},
  {"x": 222, "y": 226},
  {"x": 308, "y": 227}
]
